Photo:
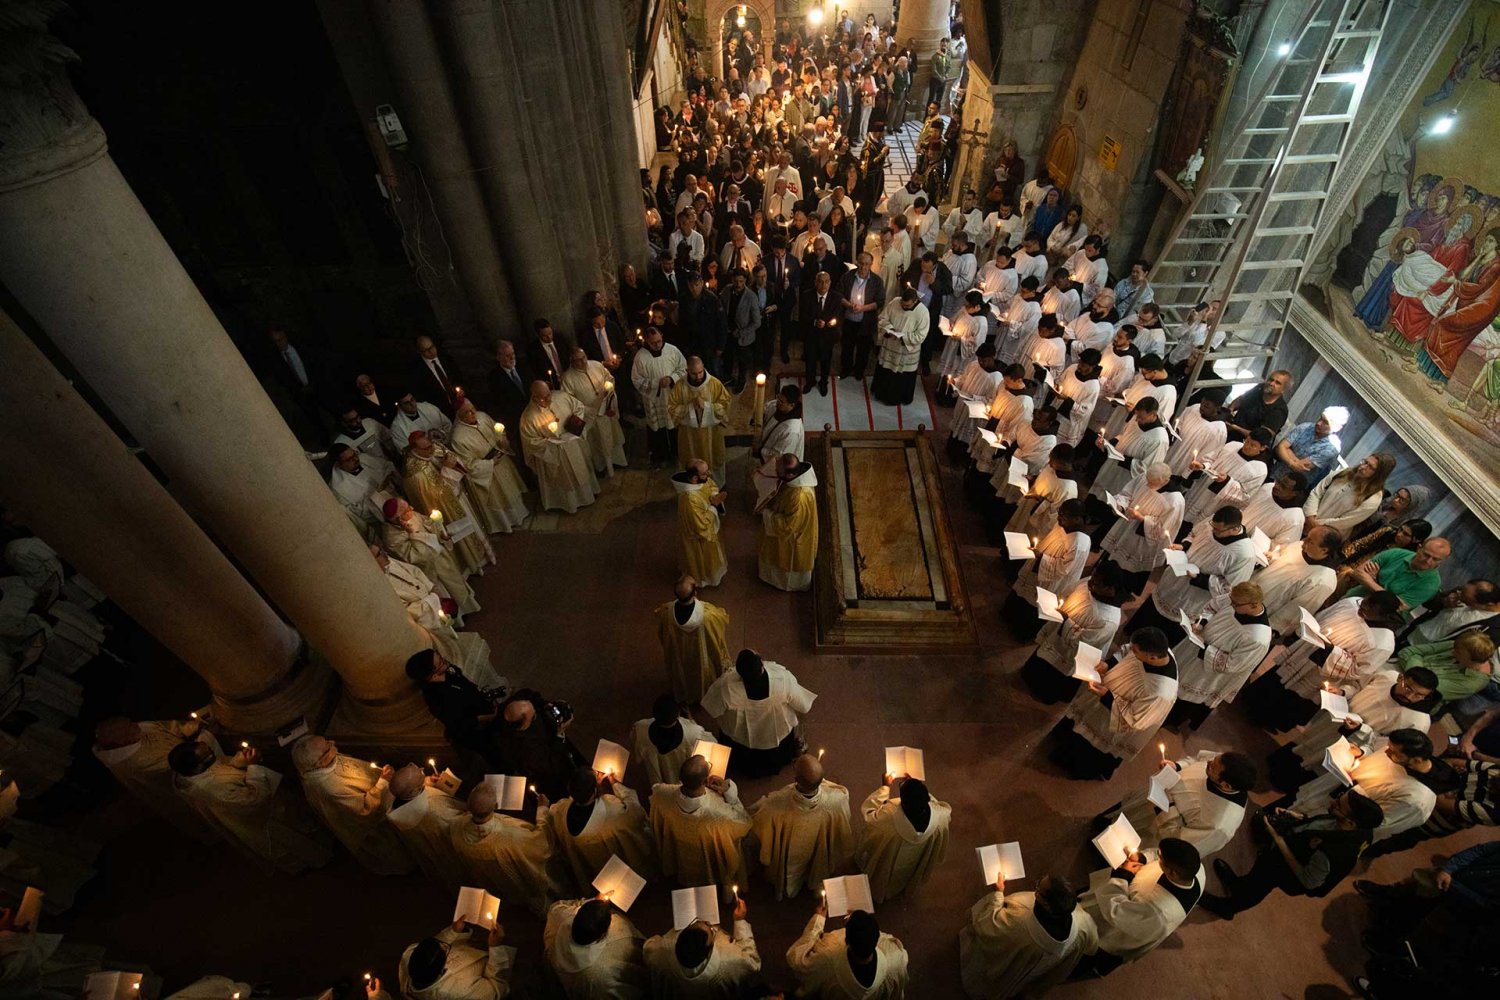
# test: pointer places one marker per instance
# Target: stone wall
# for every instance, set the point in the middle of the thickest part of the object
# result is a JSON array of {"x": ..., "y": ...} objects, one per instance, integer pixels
[{"x": 1121, "y": 76}]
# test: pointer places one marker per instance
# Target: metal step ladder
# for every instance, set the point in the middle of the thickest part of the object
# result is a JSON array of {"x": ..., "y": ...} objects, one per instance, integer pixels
[{"x": 1247, "y": 235}]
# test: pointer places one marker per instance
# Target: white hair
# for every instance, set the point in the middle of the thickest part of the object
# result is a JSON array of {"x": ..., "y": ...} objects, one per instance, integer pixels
[
  {"x": 1158, "y": 472},
  {"x": 1337, "y": 417}
]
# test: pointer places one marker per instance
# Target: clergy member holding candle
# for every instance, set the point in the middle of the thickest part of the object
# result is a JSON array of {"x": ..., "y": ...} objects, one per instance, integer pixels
[
  {"x": 436, "y": 480},
  {"x": 856, "y": 962},
  {"x": 430, "y": 610},
  {"x": 595, "y": 951},
  {"x": 700, "y": 550},
  {"x": 136, "y": 754},
  {"x": 1021, "y": 943},
  {"x": 1208, "y": 802},
  {"x": 701, "y": 960},
  {"x": 699, "y": 405},
  {"x": 593, "y": 385},
  {"x": 415, "y": 538},
  {"x": 803, "y": 830},
  {"x": 759, "y": 708},
  {"x": 657, "y": 367},
  {"x": 550, "y": 429},
  {"x": 699, "y": 824},
  {"x": 494, "y": 485},
  {"x": 789, "y": 527},
  {"x": 240, "y": 798},
  {"x": 423, "y": 815},
  {"x": 352, "y": 797},
  {"x": 1110, "y": 721},
  {"x": 693, "y": 642},
  {"x": 905, "y": 836},
  {"x": 503, "y": 854},
  {"x": 600, "y": 817}
]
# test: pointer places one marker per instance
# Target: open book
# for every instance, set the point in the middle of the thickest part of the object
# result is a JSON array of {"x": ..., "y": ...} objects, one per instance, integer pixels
[
  {"x": 448, "y": 783},
  {"x": 1001, "y": 859},
  {"x": 1334, "y": 704},
  {"x": 1017, "y": 475},
  {"x": 698, "y": 903},
  {"x": 1162, "y": 782},
  {"x": 905, "y": 762},
  {"x": 291, "y": 732},
  {"x": 978, "y": 410},
  {"x": 1177, "y": 562},
  {"x": 1262, "y": 544},
  {"x": 1086, "y": 663},
  {"x": 1118, "y": 841},
  {"x": 1046, "y": 605},
  {"x": 717, "y": 755},
  {"x": 1112, "y": 451},
  {"x": 1310, "y": 631},
  {"x": 478, "y": 907},
  {"x": 29, "y": 912},
  {"x": 1017, "y": 545},
  {"x": 619, "y": 882},
  {"x": 113, "y": 986},
  {"x": 611, "y": 758},
  {"x": 1187, "y": 626},
  {"x": 990, "y": 437},
  {"x": 510, "y": 789},
  {"x": 847, "y": 894},
  {"x": 1340, "y": 760},
  {"x": 1116, "y": 502}
]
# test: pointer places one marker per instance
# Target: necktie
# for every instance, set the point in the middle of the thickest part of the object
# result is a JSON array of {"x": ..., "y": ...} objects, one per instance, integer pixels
[
  {"x": 515, "y": 377},
  {"x": 442, "y": 376}
]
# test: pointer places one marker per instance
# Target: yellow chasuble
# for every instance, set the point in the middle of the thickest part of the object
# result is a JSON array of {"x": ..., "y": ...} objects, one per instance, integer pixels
[
  {"x": 701, "y": 550},
  {"x": 697, "y": 651},
  {"x": 700, "y": 428},
  {"x": 803, "y": 839},
  {"x": 789, "y": 538},
  {"x": 432, "y": 487}
]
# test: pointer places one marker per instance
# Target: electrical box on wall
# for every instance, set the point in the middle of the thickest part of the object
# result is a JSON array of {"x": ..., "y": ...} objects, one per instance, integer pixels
[{"x": 390, "y": 126}]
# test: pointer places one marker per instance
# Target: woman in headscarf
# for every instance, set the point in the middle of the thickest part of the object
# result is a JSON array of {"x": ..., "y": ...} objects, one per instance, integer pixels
[{"x": 1392, "y": 527}]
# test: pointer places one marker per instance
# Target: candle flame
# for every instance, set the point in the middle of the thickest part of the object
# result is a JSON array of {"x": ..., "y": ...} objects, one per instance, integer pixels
[
  {"x": 760, "y": 379},
  {"x": 244, "y": 744},
  {"x": 499, "y": 428},
  {"x": 821, "y": 751},
  {"x": 552, "y": 426},
  {"x": 436, "y": 514},
  {"x": 192, "y": 715},
  {"x": 367, "y": 977}
]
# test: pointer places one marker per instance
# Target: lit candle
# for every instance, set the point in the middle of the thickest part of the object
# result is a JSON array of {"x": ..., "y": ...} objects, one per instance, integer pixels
[
  {"x": 458, "y": 390},
  {"x": 244, "y": 744},
  {"x": 432, "y": 763},
  {"x": 193, "y": 716},
  {"x": 736, "y": 890},
  {"x": 821, "y": 751},
  {"x": 609, "y": 385},
  {"x": 1161, "y": 748},
  {"x": 367, "y": 977},
  {"x": 552, "y": 427},
  {"x": 757, "y": 411},
  {"x": 533, "y": 789},
  {"x": 436, "y": 515},
  {"x": 499, "y": 428},
  {"x": 374, "y": 766}
]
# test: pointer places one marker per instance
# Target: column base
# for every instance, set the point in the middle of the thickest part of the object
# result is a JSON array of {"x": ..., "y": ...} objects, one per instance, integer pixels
[
  {"x": 400, "y": 722},
  {"x": 306, "y": 689}
]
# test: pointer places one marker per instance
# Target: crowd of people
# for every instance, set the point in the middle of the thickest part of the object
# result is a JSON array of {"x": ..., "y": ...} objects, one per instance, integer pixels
[{"x": 1169, "y": 557}]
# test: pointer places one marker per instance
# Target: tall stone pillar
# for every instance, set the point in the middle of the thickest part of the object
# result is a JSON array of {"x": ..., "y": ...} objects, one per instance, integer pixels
[
  {"x": 429, "y": 114},
  {"x": 923, "y": 24},
  {"x": 80, "y": 254}
]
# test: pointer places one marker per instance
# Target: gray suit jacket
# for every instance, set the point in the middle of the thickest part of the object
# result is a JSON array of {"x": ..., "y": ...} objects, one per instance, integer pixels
[{"x": 744, "y": 321}]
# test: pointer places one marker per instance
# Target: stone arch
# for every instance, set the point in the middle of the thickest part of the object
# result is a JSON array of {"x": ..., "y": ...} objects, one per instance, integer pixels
[{"x": 714, "y": 12}]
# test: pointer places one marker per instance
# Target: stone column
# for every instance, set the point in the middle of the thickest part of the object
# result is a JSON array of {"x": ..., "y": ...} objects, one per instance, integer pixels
[
  {"x": 80, "y": 254},
  {"x": 428, "y": 112},
  {"x": 499, "y": 127},
  {"x": 77, "y": 485},
  {"x": 923, "y": 24}
]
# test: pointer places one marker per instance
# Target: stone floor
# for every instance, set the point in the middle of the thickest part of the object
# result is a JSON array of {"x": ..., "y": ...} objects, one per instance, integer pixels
[{"x": 569, "y": 612}]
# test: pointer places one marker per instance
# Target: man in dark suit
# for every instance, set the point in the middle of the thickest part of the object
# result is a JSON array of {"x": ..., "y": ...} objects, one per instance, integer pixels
[
  {"x": 819, "y": 317},
  {"x": 751, "y": 189},
  {"x": 933, "y": 282},
  {"x": 701, "y": 316},
  {"x": 432, "y": 377},
  {"x": 783, "y": 280},
  {"x": 668, "y": 282},
  {"x": 735, "y": 209},
  {"x": 861, "y": 295},
  {"x": 300, "y": 373},
  {"x": 378, "y": 402},
  {"x": 548, "y": 354},
  {"x": 510, "y": 389}
]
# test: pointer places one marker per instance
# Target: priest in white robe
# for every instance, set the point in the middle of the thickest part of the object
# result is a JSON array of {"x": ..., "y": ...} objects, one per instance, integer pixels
[
  {"x": 416, "y": 539},
  {"x": 1108, "y": 722},
  {"x": 1276, "y": 509},
  {"x": 1141, "y": 443},
  {"x": 438, "y": 482},
  {"x": 493, "y": 484},
  {"x": 352, "y": 797},
  {"x": 664, "y": 742},
  {"x": 1075, "y": 395},
  {"x": 1010, "y": 409},
  {"x": 363, "y": 483},
  {"x": 1219, "y": 554},
  {"x": 600, "y": 817},
  {"x": 977, "y": 384},
  {"x": 1018, "y": 321},
  {"x": 901, "y": 329},
  {"x": 657, "y": 367},
  {"x": 693, "y": 643},
  {"x": 1216, "y": 660},
  {"x": 1231, "y": 474},
  {"x": 240, "y": 798},
  {"x": 997, "y": 280},
  {"x": 1057, "y": 567},
  {"x": 1142, "y": 903},
  {"x": 593, "y": 385},
  {"x": 858, "y": 961},
  {"x": 1090, "y": 271},
  {"x": 136, "y": 754},
  {"x": 905, "y": 836},
  {"x": 702, "y": 962},
  {"x": 699, "y": 825},
  {"x": 700, "y": 550},
  {"x": 1301, "y": 578},
  {"x": 448, "y": 966},
  {"x": 1208, "y": 802},
  {"x": 595, "y": 951},
  {"x": 414, "y": 416},
  {"x": 503, "y": 854},
  {"x": 1091, "y": 614},
  {"x": 366, "y": 435},
  {"x": 1152, "y": 384},
  {"x": 437, "y": 616},
  {"x": 961, "y": 339},
  {"x": 802, "y": 829},
  {"x": 759, "y": 707},
  {"x": 1024, "y": 943},
  {"x": 423, "y": 816},
  {"x": 1201, "y": 431},
  {"x": 1135, "y": 543},
  {"x": 551, "y": 426},
  {"x": 788, "y": 549}
]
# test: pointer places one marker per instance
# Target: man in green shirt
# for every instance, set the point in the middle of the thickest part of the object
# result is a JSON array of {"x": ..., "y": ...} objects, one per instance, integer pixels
[
  {"x": 942, "y": 65},
  {"x": 1411, "y": 576},
  {"x": 1462, "y": 664}
]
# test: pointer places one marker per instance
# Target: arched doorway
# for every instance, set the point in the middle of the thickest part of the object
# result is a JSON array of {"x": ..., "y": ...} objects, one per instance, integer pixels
[
  {"x": 720, "y": 22},
  {"x": 1061, "y": 157}
]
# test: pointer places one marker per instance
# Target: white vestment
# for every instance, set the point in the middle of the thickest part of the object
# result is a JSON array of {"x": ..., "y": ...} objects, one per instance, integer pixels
[
  {"x": 646, "y": 374},
  {"x": 142, "y": 768},
  {"x": 1003, "y": 951},
  {"x": 493, "y": 484},
  {"x": 1290, "y": 585},
  {"x": 427, "y": 418},
  {"x": 242, "y": 802},
  {"x": 892, "y": 852},
  {"x": 611, "y": 968},
  {"x": 561, "y": 460},
  {"x": 803, "y": 838},
  {"x": 1200, "y": 814},
  {"x": 664, "y": 767},
  {"x": 353, "y": 799},
  {"x": 603, "y": 432},
  {"x": 760, "y": 724},
  {"x": 820, "y": 961},
  {"x": 1133, "y": 917}
]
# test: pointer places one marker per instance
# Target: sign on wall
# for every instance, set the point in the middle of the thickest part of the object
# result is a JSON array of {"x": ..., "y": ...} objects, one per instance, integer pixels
[{"x": 1109, "y": 153}]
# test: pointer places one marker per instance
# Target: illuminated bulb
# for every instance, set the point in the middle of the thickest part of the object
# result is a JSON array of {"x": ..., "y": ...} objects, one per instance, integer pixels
[
  {"x": 815, "y": 16},
  {"x": 1284, "y": 49},
  {"x": 1445, "y": 124},
  {"x": 739, "y": 19}
]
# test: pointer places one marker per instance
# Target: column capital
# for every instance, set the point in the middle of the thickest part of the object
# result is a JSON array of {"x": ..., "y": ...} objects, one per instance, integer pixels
[{"x": 45, "y": 130}]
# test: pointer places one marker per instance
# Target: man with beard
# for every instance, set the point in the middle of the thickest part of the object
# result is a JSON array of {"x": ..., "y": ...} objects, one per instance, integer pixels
[
  {"x": 699, "y": 406},
  {"x": 1301, "y": 578},
  {"x": 903, "y": 332}
]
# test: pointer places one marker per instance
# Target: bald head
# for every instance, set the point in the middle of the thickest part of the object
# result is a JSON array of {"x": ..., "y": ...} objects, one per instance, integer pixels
[
  {"x": 483, "y": 802},
  {"x": 408, "y": 783},
  {"x": 308, "y": 753},
  {"x": 686, "y": 587},
  {"x": 694, "y": 773},
  {"x": 808, "y": 770}
]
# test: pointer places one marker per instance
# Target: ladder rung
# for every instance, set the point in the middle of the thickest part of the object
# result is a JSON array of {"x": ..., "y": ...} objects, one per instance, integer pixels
[
  {"x": 1352, "y": 76},
  {"x": 1254, "y": 351},
  {"x": 1362, "y": 33},
  {"x": 1296, "y": 196},
  {"x": 1324, "y": 119},
  {"x": 1244, "y": 160},
  {"x": 1188, "y": 263},
  {"x": 1265, "y": 131},
  {"x": 1271, "y": 265},
  {"x": 1283, "y": 97},
  {"x": 1235, "y": 190},
  {"x": 1207, "y": 239},
  {"x": 1219, "y": 215},
  {"x": 1312, "y": 158},
  {"x": 1214, "y": 383},
  {"x": 1242, "y": 326},
  {"x": 1259, "y": 296},
  {"x": 1284, "y": 231},
  {"x": 1178, "y": 284}
]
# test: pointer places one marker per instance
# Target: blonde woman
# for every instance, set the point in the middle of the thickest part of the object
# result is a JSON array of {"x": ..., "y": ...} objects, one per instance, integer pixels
[{"x": 1341, "y": 501}]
